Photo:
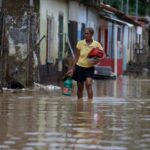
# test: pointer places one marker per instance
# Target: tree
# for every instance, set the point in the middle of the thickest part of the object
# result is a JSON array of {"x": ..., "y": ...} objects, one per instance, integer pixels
[{"x": 143, "y": 6}]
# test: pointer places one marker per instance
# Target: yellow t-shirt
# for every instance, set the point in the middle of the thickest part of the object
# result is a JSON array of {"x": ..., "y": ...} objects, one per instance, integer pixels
[{"x": 84, "y": 49}]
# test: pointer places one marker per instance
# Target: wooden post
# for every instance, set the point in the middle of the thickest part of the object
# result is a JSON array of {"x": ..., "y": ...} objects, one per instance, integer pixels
[
  {"x": 29, "y": 74},
  {"x": 2, "y": 37},
  {"x": 1, "y": 26},
  {"x": 115, "y": 51},
  {"x": 136, "y": 9},
  {"x": 122, "y": 5},
  {"x": 127, "y": 7}
]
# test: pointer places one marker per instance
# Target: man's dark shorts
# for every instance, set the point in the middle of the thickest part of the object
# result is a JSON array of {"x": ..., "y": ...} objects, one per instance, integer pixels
[{"x": 81, "y": 73}]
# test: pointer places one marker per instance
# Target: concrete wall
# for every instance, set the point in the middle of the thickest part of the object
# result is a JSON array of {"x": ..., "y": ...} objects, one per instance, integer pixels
[
  {"x": 77, "y": 12},
  {"x": 125, "y": 48},
  {"x": 15, "y": 36},
  {"x": 52, "y": 8},
  {"x": 131, "y": 43},
  {"x": 84, "y": 14},
  {"x": 93, "y": 21}
]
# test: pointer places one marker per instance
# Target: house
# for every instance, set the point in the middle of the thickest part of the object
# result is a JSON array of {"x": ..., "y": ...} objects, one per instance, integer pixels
[
  {"x": 118, "y": 36},
  {"x": 53, "y": 24},
  {"x": 19, "y": 29},
  {"x": 116, "y": 31},
  {"x": 144, "y": 39},
  {"x": 63, "y": 22},
  {"x": 81, "y": 15}
]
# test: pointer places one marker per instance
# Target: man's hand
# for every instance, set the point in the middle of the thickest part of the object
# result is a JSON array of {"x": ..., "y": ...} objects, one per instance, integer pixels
[
  {"x": 94, "y": 61},
  {"x": 70, "y": 72}
]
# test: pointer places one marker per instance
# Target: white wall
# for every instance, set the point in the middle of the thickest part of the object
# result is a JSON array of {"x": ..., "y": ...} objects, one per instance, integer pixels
[
  {"x": 83, "y": 14},
  {"x": 77, "y": 12},
  {"x": 93, "y": 20},
  {"x": 131, "y": 42},
  {"x": 125, "y": 48},
  {"x": 52, "y": 8},
  {"x": 115, "y": 49}
]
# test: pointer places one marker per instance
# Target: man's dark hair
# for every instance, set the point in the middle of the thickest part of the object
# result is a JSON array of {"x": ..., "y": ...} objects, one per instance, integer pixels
[{"x": 90, "y": 29}]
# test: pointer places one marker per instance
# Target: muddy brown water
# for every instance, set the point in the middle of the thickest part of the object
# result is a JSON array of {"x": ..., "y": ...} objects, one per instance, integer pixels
[{"x": 117, "y": 119}]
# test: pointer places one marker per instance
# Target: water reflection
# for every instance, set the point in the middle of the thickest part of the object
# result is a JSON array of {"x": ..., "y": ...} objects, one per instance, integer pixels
[
  {"x": 117, "y": 119},
  {"x": 124, "y": 86},
  {"x": 86, "y": 123}
]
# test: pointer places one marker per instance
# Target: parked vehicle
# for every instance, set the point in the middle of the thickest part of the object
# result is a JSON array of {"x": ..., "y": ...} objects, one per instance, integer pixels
[{"x": 104, "y": 72}]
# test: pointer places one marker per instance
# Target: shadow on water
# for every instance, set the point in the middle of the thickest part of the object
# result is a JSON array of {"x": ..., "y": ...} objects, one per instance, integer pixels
[{"x": 117, "y": 119}]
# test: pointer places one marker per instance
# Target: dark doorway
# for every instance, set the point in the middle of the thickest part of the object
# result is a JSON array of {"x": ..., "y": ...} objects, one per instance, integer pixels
[
  {"x": 106, "y": 41},
  {"x": 72, "y": 27},
  {"x": 60, "y": 36}
]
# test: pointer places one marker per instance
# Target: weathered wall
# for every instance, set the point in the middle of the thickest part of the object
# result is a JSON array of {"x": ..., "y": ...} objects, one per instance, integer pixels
[
  {"x": 84, "y": 14},
  {"x": 77, "y": 12},
  {"x": 52, "y": 9},
  {"x": 54, "y": 25},
  {"x": 94, "y": 21},
  {"x": 16, "y": 27}
]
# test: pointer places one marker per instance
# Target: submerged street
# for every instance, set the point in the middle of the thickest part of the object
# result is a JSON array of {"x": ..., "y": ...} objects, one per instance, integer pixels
[{"x": 117, "y": 119}]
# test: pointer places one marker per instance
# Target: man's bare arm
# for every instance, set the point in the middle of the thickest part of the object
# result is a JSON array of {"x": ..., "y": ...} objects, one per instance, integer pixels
[{"x": 72, "y": 67}]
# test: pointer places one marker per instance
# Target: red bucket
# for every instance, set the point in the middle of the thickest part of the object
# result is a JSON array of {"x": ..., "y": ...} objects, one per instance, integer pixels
[{"x": 96, "y": 52}]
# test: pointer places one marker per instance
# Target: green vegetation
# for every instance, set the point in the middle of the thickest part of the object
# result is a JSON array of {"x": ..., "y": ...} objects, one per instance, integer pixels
[{"x": 143, "y": 6}]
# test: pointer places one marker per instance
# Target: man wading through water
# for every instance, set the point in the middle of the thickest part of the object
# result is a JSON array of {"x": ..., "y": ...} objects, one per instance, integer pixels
[{"x": 82, "y": 70}]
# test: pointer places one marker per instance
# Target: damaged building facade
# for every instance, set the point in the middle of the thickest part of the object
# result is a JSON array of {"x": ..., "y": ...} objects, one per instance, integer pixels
[
  {"x": 19, "y": 33},
  {"x": 38, "y": 34}
]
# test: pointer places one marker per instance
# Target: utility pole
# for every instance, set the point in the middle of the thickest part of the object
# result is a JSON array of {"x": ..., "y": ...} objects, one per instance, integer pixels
[
  {"x": 1, "y": 25},
  {"x": 0, "y": 43},
  {"x": 2, "y": 35},
  {"x": 147, "y": 8},
  {"x": 0, "y": 3},
  {"x": 122, "y": 5},
  {"x": 136, "y": 10},
  {"x": 29, "y": 73},
  {"x": 127, "y": 7}
]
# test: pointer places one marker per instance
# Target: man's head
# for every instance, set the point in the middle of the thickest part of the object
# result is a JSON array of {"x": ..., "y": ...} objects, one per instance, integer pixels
[{"x": 88, "y": 34}]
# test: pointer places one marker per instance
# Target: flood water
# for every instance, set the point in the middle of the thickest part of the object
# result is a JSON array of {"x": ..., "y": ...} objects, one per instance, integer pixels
[{"x": 117, "y": 119}]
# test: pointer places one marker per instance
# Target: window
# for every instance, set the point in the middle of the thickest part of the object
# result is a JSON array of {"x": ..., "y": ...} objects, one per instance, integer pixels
[
  {"x": 60, "y": 36},
  {"x": 119, "y": 34},
  {"x": 49, "y": 38}
]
